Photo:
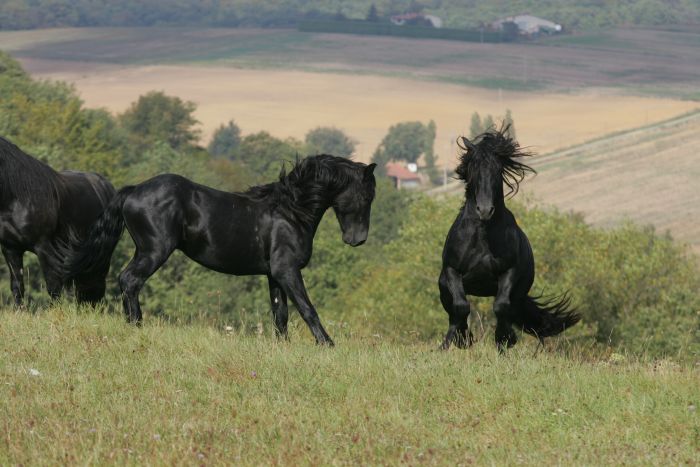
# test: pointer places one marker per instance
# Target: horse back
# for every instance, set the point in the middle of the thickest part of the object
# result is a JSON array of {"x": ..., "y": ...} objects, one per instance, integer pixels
[{"x": 220, "y": 230}]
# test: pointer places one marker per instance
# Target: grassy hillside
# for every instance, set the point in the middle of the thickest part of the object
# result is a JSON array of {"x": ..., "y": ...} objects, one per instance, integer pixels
[
  {"x": 83, "y": 387},
  {"x": 632, "y": 60}
]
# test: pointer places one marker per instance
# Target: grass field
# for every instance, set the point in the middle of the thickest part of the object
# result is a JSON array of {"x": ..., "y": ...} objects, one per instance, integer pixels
[{"x": 84, "y": 388}]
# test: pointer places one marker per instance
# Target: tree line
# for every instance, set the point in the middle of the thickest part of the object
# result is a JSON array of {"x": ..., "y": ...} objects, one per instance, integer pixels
[
  {"x": 29, "y": 14},
  {"x": 636, "y": 289}
]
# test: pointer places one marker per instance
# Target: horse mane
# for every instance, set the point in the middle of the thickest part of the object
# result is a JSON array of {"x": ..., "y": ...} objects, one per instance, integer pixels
[
  {"x": 303, "y": 191},
  {"x": 494, "y": 147},
  {"x": 26, "y": 178}
]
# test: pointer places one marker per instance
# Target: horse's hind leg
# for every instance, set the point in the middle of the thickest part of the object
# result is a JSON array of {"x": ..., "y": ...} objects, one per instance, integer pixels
[
  {"x": 90, "y": 290},
  {"x": 131, "y": 280},
  {"x": 278, "y": 300},
  {"x": 455, "y": 303},
  {"x": 52, "y": 277},
  {"x": 14, "y": 260}
]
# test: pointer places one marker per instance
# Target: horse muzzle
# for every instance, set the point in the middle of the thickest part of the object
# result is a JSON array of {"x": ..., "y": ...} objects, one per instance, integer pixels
[{"x": 355, "y": 239}]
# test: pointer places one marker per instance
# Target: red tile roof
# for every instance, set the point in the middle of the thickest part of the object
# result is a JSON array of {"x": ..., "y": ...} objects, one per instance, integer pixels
[{"x": 399, "y": 171}]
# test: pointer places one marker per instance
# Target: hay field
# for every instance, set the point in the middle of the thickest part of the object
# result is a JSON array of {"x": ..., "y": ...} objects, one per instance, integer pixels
[{"x": 289, "y": 103}]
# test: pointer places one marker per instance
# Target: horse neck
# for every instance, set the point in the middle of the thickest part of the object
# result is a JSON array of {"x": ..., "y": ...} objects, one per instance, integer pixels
[
  {"x": 315, "y": 202},
  {"x": 24, "y": 178}
]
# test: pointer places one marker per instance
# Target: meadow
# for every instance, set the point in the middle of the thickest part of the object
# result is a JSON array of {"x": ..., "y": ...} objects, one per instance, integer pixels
[{"x": 80, "y": 387}]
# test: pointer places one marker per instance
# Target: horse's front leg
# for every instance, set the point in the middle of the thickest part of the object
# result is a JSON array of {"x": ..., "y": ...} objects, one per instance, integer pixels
[
  {"x": 289, "y": 278},
  {"x": 280, "y": 312},
  {"x": 505, "y": 336},
  {"x": 455, "y": 303},
  {"x": 15, "y": 262}
]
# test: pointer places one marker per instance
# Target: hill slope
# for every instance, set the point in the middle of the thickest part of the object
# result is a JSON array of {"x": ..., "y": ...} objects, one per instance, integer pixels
[
  {"x": 83, "y": 387},
  {"x": 648, "y": 175}
]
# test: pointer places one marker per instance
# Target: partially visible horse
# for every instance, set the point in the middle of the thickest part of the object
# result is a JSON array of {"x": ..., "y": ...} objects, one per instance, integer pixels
[
  {"x": 486, "y": 254},
  {"x": 267, "y": 230},
  {"x": 40, "y": 210}
]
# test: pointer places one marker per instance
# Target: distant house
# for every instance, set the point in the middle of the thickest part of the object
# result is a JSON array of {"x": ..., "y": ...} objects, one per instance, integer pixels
[
  {"x": 416, "y": 19},
  {"x": 529, "y": 25},
  {"x": 404, "y": 177}
]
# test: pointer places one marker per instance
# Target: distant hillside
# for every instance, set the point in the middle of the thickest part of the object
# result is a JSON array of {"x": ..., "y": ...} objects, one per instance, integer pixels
[
  {"x": 649, "y": 175},
  {"x": 29, "y": 14}
]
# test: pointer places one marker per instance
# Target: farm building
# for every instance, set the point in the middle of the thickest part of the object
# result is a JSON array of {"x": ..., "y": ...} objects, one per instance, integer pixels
[
  {"x": 529, "y": 25},
  {"x": 404, "y": 177},
  {"x": 416, "y": 19}
]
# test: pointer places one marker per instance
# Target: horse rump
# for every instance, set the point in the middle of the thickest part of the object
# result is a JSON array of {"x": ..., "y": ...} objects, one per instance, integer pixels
[{"x": 93, "y": 254}]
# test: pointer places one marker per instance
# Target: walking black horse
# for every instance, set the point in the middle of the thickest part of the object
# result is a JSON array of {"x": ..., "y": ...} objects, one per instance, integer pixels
[
  {"x": 266, "y": 230},
  {"x": 40, "y": 211},
  {"x": 486, "y": 254}
]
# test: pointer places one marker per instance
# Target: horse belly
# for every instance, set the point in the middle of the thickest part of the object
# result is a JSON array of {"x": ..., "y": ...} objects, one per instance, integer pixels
[{"x": 228, "y": 255}]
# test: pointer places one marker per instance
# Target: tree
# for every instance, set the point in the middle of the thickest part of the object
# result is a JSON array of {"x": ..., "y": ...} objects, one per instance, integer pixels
[
  {"x": 508, "y": 120},
  {"x": 429, "y": 156},
  {"x": 488, "y": 123},
  {"x": 225, "y": 140},
  {"x": 158, "y": 117},
  {"x": 406, "y": 141},
  {"x": 264, "y": 155},
  {"x": 329, "y": 140},
  {"x": 476, "y": 127},
  {"x": 372, "y": 14}
]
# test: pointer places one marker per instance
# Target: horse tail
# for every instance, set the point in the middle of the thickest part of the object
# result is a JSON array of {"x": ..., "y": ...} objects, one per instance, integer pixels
[
  {"x": 545, "y": 317},
  {"x": 93, "y": 254}
]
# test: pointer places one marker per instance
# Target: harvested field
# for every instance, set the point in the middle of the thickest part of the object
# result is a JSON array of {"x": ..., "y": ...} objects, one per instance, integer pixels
[{"x": 289, "y": 103}]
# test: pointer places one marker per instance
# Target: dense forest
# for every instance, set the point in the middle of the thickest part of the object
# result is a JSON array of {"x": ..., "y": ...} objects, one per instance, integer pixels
[
  {"x": 573, "y": 14},
  {"x": 636, "y": 289}
]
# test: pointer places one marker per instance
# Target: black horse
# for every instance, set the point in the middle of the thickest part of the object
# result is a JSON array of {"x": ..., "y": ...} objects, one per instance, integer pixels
[
  {"x": 40, "y": 211},
  {"x": 267, "y": 230},
  {"x": 486, "y": 254}
]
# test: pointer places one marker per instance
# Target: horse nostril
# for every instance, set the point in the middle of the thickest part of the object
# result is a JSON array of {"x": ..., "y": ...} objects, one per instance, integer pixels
[{"x": 491, "y": 211}]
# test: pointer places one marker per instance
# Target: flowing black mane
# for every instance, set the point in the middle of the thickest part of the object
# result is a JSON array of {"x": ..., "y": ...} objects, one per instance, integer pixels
[
  {"x": 24, "y": 177},
  {"x": 304, "y": 190},
  {"x": 495, "y": 148}
]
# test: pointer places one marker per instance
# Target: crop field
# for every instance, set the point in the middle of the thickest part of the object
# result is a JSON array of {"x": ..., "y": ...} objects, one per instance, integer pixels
[
  {"x": 628, "y": 59},
  {"x": 80, "y": 387},
  {"x": 287, "y": 82}
]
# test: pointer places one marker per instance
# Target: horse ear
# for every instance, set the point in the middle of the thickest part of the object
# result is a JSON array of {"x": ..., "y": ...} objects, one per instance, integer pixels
[
  {"x": 466, "y": 144},
  {"x": 369, "y": 170}
]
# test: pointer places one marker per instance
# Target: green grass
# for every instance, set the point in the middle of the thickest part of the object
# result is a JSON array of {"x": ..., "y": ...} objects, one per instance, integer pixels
[{"x": 107, "y": 393}]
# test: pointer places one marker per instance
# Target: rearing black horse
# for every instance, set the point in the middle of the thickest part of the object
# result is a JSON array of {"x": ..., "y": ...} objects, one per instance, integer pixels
[
  {"x": 40, "y": 210},
  {"x": 266, "y": 230},
  {"x": 486, "y": 254}
]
